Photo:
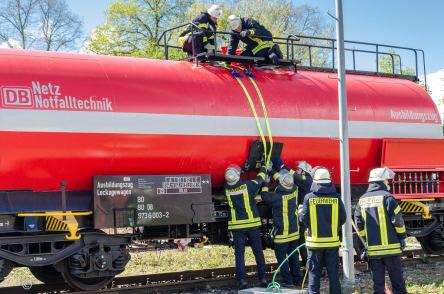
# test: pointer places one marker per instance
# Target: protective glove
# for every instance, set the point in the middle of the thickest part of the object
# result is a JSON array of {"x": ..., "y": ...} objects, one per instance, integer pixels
[
  {"x": 364, "y": 255},
  {"x": 403, "y": 244},
  {"x": 278, "y": 161},
  {"x": 300, "y": 208},
  {"x": 243, "y": 34},
  {"x": 246, "y": 166},
  {"x": 208, "y": 33},
  {"x": 274, "y": 58}
]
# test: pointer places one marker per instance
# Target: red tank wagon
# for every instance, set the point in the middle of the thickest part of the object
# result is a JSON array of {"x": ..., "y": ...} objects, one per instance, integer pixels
[{"x": 71, "y": 117}]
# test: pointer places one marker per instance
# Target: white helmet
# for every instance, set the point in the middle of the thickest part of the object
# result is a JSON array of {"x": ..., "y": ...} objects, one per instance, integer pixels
[
  {"x": 305, "y": 166},
  {"x": 215, "y": 11},
  {"x": 381, "y": 174},
  {"x": 232, "y": 174},
  {"x": 234, "y": 22},
  {"x": 285, "y": 179},
  {"x": 321, "y": 175}
]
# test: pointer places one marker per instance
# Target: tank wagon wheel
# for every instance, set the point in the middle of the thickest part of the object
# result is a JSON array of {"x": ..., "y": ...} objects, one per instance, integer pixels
[
  {"x": 46, "y": 274},
  {"x": 433, "y": 243},
  {"x": 85, "y": 284}
]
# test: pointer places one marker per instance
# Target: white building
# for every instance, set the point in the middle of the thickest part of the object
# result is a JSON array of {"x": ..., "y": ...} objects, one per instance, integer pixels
[{"x": 435, "y": 82}]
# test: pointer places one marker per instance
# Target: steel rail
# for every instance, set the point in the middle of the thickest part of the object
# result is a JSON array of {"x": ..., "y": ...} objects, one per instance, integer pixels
[{"x": 189, "y": 280}]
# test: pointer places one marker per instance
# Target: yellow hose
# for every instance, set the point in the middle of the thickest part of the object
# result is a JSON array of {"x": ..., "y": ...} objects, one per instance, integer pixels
[
  {"x": 267, "y": 123},
  {"x": 267, "y": 155},
  {"x": 253, "y": 109},
  {"x": 305, "y": 277}
]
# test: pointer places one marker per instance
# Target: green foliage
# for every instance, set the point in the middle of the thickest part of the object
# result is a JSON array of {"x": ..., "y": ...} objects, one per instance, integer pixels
[
  {"x": 390, "y": 63},
  {"x": 133, "y": 26}
]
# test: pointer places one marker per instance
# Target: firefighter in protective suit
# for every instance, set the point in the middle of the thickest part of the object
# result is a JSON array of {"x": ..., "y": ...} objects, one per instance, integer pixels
[
  {"x": 379, "y": 221},
  {"x": 258, "y": 40},
  {"x": 244, "y": 220},
  {"x": 283, "y": 202},
  {"x": 322, "y": 213},
  {"x": 303, "y": 179},
  {"x": 204, "y": 38}
]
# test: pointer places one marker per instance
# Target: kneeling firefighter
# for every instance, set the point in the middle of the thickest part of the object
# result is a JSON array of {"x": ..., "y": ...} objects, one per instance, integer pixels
[
  {"x": 283, "y": 202},
  {"x": 323, "y": 213},
  {"x": 204, "y": 38},
  {"x": 244, "y": 220},
  {"x": 380, "y": 223},
  {"x": 258, "y": 40}
]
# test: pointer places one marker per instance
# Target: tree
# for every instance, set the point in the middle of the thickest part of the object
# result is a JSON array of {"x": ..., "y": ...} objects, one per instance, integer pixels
[
  {"x": 16, "y": 19},
  {"x": 39, "y": 24},
  {"x": 60, "y": 28},
  {"x": 390, "y": 62},
  {"x": 132, "y": 27},
  {"x": 126, "y": 33},
  {"x": 282, "y": 18}
]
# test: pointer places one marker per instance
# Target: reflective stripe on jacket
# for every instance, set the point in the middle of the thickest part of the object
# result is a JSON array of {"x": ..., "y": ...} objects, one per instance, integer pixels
[
  {"x": 303, "y": 181},
  {"x": 243, "y": 212},
  {"x": 323, "y": 214},
  {"x": 284, "y": 206},
  {"x": 258, "y": 39},
  {"x": 379, "y": 220}
]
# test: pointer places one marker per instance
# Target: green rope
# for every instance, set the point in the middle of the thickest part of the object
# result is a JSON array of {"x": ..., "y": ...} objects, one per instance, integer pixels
[{"x": 275, "y": 286}]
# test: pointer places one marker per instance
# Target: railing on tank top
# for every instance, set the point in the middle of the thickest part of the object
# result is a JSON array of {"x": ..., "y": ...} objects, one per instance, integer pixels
[{"x": 319, "y": 53}]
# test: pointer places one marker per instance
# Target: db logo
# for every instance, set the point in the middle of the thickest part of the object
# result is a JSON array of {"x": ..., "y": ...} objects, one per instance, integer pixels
[{"x": 20, "y": 97}]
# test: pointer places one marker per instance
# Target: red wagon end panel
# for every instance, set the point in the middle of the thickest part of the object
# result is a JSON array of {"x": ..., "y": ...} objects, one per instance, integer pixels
[
  {"x": 419, "y": 167},
  {"x": 413, "y": 153}
]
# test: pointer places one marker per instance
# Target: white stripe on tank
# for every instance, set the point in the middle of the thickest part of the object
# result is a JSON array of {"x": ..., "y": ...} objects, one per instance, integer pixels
[{"x": 177, "y": 124}]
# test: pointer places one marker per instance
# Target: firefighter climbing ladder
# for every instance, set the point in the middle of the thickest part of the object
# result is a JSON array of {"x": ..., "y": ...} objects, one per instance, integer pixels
[{"x": 250, "y": 76}]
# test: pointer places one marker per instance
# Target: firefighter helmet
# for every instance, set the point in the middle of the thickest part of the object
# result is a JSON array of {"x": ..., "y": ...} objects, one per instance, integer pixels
[
  {"x": 215, "y": 11},
  {"x": 321, "y": 175},
  {"x": 286, "y": 179},
  {"x": 232, "y": 174},
  {"x": 381, "y": 174},
  {"x": 305, "y": 166},
  {"x": 234, "y": 22}
]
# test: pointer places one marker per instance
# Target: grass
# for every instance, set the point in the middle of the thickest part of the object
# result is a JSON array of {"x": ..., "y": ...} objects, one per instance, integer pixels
[{"x": 420, "y": 278}]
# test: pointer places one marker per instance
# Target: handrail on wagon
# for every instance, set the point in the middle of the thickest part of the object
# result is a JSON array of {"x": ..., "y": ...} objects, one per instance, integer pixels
[{"x": 307, "y": 49}]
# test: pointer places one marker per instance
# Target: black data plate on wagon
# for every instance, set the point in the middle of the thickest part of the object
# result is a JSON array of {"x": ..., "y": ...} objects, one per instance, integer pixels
[{"x": 152, "y": 200}]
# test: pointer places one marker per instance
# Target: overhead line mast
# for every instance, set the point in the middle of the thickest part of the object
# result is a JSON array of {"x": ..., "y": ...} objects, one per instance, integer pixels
[{"x": 347, "y": 233}]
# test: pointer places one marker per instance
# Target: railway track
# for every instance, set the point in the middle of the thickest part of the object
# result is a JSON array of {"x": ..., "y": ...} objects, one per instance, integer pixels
[{"x": 188, "y": 281}]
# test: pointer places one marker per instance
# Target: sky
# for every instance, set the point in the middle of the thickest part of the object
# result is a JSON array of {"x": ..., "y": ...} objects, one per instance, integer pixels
[{"x": 405, "y": 23}]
